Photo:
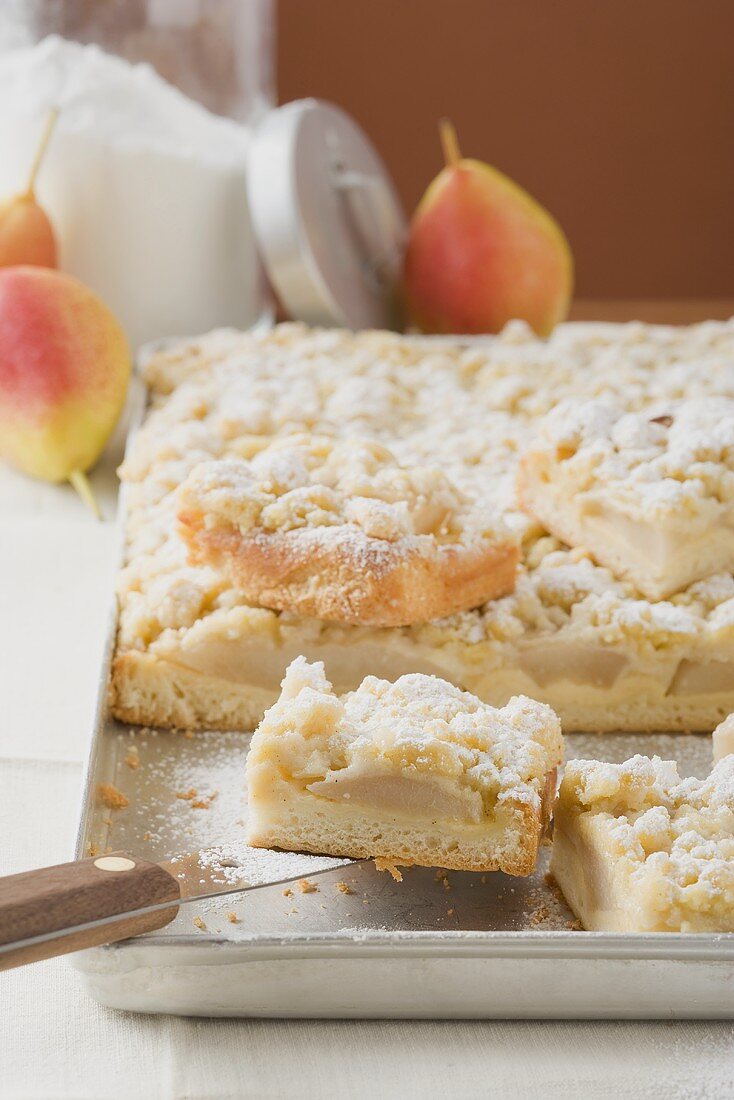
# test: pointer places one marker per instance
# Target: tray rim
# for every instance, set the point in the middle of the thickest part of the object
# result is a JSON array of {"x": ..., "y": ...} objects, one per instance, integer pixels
[
  {"x": 522, "y": 943},
  {"x": 136, "y": 410},
  {"x": 687, "y": 946}
]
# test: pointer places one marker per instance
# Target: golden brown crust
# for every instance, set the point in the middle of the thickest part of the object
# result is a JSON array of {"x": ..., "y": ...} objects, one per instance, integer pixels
[
  {"x": 520, "y": 865},
  {"x": 351, "y": 577}
]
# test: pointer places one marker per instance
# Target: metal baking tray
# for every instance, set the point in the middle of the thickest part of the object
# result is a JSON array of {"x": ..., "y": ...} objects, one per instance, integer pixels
[{"x": 436, "y": 945}]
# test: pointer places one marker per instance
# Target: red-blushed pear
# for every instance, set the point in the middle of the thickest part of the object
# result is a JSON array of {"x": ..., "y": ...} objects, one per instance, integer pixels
[
  {"x": 64, "y": 372},
  {"x": 481, "y": 252},
  {"x": 26, "y": 234}
]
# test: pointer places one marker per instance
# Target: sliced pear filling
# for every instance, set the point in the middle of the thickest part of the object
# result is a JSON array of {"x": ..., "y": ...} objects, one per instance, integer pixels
[
  {"x": 546, "y": 664},
  {"x": 401, "y": 795},
  {"x": 702, "y": 678},
  {"x": 415, "y": 771},
  {"x": 644, "y": 546},
  {"x": 248, "y": 645}
]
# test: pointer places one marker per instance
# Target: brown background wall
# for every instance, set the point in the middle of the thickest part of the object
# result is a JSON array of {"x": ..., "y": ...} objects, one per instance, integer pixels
[{"x": 617, "y": 114}]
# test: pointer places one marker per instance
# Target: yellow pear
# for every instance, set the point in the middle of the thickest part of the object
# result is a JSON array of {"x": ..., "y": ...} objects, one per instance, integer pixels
[
  {"x": 64, "y": 372},
  {"x": 481, "y": 251}
]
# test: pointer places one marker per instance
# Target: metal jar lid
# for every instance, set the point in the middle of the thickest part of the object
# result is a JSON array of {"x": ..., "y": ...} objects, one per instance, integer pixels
[{"x": 328, "y": 221}]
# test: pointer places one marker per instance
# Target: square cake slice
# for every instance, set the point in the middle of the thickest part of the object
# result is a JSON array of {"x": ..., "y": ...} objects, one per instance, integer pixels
[
  {"x": 638, "y": 849},
  {"x": 339, "y": 530},
  {"x": 416, "y": 772},
  {"x": 650, "y": 496}
]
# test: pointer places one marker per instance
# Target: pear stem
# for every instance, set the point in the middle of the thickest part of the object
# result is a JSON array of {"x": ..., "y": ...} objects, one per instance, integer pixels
[
  {"x": 449, "y": 143},
  {"x": 41, "y": 151},
  {"x": 80, "y": 482}
]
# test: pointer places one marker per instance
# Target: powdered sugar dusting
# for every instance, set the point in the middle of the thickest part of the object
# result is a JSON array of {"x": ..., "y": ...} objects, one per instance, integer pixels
[
  {"x": 158, "y": 826},
  {"x": 236, "y": 862},
  {"x": 325, "y": 483},
  {"x": 659, "y": 464},
  {"x": 470, "y": 411}
]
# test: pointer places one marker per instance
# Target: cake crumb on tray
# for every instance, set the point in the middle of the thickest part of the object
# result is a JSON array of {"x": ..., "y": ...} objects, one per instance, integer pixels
[
  {"x": 383, "y": 864},
  {"x": 110, "y": 797}
]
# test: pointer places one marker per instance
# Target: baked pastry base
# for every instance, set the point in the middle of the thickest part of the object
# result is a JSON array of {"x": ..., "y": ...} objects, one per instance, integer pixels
[
  {"x": 340, "y": 530},
  {"x": 356, "y": 580},
  {"x": 302, "y": 823}
]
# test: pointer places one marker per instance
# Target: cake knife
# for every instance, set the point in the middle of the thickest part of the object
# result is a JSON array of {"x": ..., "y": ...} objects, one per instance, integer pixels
[{"x": 54, "y": 910}]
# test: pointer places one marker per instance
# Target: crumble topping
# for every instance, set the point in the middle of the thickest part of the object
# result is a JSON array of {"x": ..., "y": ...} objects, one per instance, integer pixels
[
  {"x": 466, "y": 410},
  {"x": 566, "y": 591},
  {"x": 316, "y": 481},
  {"x": 655, "y": 466}
]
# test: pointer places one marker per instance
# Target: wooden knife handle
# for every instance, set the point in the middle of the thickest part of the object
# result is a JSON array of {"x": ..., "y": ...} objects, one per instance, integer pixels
[{"x": 101, "y": 892}]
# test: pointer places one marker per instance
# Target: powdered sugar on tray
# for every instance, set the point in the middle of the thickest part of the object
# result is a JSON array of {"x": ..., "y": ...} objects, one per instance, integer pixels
[
  {"x": 186, "y": 794},
  {"x": 237, "y": 861}
]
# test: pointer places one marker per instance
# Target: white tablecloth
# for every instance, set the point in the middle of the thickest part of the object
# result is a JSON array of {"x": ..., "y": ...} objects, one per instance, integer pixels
[{"x": 56, "y": 565}]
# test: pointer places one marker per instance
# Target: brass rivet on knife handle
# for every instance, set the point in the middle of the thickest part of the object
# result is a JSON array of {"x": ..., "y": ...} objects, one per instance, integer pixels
[
  {"x": 114, "y": 863},
  {"x": 102, "y": 892}
]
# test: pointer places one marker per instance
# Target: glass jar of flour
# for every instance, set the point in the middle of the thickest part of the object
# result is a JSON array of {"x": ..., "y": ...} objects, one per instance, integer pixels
[
  {"x": 174, "y": 183},
  {"x": 145, "y": 174}
]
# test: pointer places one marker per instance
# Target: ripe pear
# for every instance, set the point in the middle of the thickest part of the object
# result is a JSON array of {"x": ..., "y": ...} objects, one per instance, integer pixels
[
  {"x": 481, "y": 251},
  {"x": 26, "y": 234},
  {"x": 64, "y": 372}
]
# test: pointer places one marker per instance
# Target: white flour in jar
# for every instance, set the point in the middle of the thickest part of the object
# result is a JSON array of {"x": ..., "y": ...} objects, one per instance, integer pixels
[{"x": 145, "y": 187}]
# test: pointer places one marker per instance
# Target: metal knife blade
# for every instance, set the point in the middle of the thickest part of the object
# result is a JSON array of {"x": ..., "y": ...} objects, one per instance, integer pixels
[{"x": 199, "y": 879}]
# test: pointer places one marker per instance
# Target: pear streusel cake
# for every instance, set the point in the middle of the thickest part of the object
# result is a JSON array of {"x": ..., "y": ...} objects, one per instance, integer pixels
[
  {"x": 192, "y": 650},
  {"x": 649, "y": 494},
  {"x": 338, "y": 530},
  {"x": 638, "y": 849},
  {"x": 414, "y": 771}
]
